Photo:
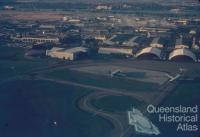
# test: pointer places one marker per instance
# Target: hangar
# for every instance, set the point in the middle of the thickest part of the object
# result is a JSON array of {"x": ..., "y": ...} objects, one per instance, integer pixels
[
  {"x": 182, "y": 55},
  {"x": 149, "y": 53},
  {"x": 66, "y": 54}
]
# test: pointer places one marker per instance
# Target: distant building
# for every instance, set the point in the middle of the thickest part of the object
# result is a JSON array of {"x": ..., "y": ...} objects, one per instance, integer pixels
[
  {"x": 74, "y": 20},
  {"x": 102, "y": 38},
  {"x": 192, "y": 32},
  {"x": 103, "y": 7},
  {"x": 7, "y": 7},
  {"x": 152, "y": 29},
  {"x": 47, "y": 27},
  {"x": 149, "y": 53},
  {"x": 65, "y": 18},
  {"x": 182, "y": 22},
  {"x": 114, "y": 50},
  {"x": 66, "y": 54},
  {"x": 182, "y": 54},
  {"x": 37, "y": 39}
]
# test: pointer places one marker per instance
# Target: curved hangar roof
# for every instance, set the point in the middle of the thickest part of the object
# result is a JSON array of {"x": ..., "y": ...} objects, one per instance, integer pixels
[
  {"x": 151, "y": 51},
  {"x": 182, "y": 52}
]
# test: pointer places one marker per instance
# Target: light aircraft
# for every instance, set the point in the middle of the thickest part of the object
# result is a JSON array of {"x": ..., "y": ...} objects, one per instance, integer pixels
[
  {"x": 178, "y": 76},
  {"x": 117, "y": 72},
  {"x": 171, "y": 78}
]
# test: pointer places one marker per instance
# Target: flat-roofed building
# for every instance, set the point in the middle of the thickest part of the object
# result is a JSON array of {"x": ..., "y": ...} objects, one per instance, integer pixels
[
  {"x": 66, "y": 54},
  {"x": 152, "y": 29},
  {"x": 7, "y": 7},
  {"x": 182, "y": 22},
  {"x": 37, "y": 39},
  {"x": 104, "y": 7},
  {"x": 43, "y": 26},
  {"x": 100, "y": 37},
  {"x": 115, "y": 50}
]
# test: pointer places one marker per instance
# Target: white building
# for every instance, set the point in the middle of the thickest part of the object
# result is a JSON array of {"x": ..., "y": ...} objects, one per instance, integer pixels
[
  {"x": 112, "y": 50},
  {"x": 149, "y": 52},
  {"x": 43, "y": 26},
  {"x": 37, "y": 39},
  {"x": 7, "y": 7},
  {"x": 99, "y": 37},
  {"x": 103, "y": 7},
  {"x": 186, "y": 53},
  {"x": 66, "y": 54}
]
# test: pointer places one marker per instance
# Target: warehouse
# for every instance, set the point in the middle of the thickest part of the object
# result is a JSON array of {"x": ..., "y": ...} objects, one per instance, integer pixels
[
  {"x": 67, "y": 54},
  {"x": 113, "y": 50},
  {"x": 38, "y": 39}
]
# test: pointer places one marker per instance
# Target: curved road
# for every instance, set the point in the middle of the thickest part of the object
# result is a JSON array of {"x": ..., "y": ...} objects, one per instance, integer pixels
[{"x": 120, "y": 124}]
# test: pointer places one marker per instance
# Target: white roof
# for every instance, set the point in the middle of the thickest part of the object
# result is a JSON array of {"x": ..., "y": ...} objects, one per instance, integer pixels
[
  {"x": 150, "y": 50},
  {"x": 113, "y": 50},
  {"x": 71, "y": 50},
  {"x": 76, "y": 49},
  {"x": 56, "y": 49},
  {"x": 182, "y": 52}
]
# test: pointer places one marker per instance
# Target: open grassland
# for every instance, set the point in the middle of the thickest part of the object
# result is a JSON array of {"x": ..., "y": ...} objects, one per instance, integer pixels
[{"x": 101, "y": 81}]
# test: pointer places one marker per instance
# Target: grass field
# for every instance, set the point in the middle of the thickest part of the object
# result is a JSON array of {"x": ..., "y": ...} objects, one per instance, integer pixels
[
  {"x": 13, "y": 62},
  {"x": 29, "y": 108},
  {"x": 101, "y": 81},
  {"x": 117, "y": 103},
  {"x": 186, "y": 94}
]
